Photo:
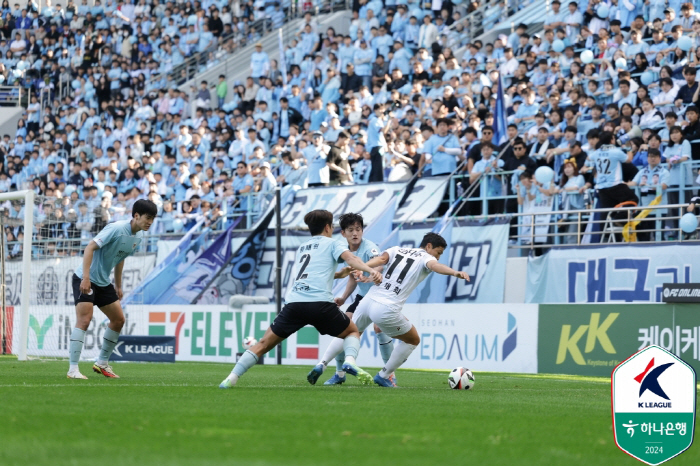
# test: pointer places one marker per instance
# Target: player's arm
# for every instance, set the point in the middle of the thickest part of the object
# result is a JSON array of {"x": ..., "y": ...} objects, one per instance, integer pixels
[
  {"x": 87, "y": 262},
  {"x": 378, "y": 261},
  {"x": 353, "y": 261},
  {"x": 118, "y": 279},
  {"x": 342, "y": 273},
  {"x": 442, "y": 269},
  {"x": 349, "y": 288}
]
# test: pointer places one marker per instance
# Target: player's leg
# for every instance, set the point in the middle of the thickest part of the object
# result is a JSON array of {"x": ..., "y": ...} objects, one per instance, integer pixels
[
  {"x": 386, "y": 347},
  {"x": 286, "y": 323},
  {"x": 339, "y": 376},
  {"x": 394, "y": 324},
  {"x": 114, "y": 312},
  {"x": 83, "y": 311}
]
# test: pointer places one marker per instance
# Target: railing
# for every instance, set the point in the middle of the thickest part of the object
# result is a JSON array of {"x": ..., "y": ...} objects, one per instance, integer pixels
[{"x": 10, "y": 96}]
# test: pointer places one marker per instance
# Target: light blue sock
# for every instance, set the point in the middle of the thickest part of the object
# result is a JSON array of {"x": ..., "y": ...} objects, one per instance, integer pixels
[
  {"x": 248, "y": 360},
  {"x": 386, "y": 346},
  {"x": 109, "y": 341},
  {"x": 77, "y": 337},
  {"x": 339, "y": 360},
  {"x": 351, "y": 346}
]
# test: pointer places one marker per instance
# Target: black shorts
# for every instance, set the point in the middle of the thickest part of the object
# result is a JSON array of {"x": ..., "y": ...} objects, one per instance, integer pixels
[
  {"x": 353, "y": 306},
  {"x": 326, "y": 317},
  {"x": 101, "y": 295}
]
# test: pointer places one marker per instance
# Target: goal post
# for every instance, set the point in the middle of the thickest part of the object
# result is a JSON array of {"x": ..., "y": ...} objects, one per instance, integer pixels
[{"x": 28, "y": 226}]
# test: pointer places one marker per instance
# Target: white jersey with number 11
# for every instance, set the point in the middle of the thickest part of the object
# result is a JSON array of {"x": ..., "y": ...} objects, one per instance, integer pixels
[{"x": 407, "y": 267}]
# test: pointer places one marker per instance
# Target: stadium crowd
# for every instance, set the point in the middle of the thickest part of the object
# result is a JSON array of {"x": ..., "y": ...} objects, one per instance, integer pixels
[{"x": 403, "y": 94}]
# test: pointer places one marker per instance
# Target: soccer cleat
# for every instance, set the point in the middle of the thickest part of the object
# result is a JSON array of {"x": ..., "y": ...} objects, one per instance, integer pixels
[
  {"x": 315, "y": 374},
  {"x": 104, "y": 369},
  {"x": 227, "y": 383},
  {"x": 363, "y": 376},
  {"x": 335, "y": 380},
  {"x": 76, "y": 375},
  {"x": 382, "y": 382},
  {"x": 392, "y": 379}
]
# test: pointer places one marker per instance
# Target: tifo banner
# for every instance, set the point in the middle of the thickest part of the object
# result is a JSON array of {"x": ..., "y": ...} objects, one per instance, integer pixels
[
  {"x": 239, "y": 272},
  {"x": 591, "y": 339},
  {"x": 629, "y": 273},
  {"x": 196, "y": 272},
  {"x": 168, "y": 272},
  {"x": 50, "y": 328},
  {"x": 483, "y": 337},
  {"x": 476, "y": 248},
  {"x": 424, "y": 199},
  {"x": 368, "y": 200},
  {"x": 53, "y": 283}
]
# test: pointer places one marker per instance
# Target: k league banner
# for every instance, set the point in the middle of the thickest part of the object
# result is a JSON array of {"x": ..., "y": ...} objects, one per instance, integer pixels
[{"x": 629, "y": 273}]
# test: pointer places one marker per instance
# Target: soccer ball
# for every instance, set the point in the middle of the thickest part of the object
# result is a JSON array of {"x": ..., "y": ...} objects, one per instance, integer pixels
[
  {"x": 461, "y": 379},
  {"x": 249, "y": 342}
]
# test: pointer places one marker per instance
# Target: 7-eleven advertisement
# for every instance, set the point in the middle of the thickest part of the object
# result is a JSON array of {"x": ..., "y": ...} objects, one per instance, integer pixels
[{"x": 214, "y": 333}]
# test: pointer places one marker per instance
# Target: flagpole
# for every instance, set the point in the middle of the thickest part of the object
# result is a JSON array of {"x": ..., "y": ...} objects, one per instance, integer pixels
[{"x": 278, "y": 261}]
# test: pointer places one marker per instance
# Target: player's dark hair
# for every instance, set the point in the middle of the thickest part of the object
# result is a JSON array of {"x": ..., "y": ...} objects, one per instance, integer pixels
[
  {"x": 317, "y": 220},
  {"x": 144, "y": 207},
  {"x": 433, "y": 238},
  {"x": 350, "y": 219}
]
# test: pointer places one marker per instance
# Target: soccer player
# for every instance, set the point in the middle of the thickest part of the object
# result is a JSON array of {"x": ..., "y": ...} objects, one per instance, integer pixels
[
  {"x": 383, "y": 303},
  {"x": 92, "y": 287},
  {"x": 310, "y": 299},
  {"x": 352, "y": 229}
]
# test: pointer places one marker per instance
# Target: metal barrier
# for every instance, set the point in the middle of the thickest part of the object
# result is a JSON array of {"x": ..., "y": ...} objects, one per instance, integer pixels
[{"x": 10, "y": 96}]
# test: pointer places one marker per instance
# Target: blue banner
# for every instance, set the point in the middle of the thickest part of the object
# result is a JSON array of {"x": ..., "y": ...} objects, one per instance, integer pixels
[
  {"x": 169, "y": 271},
  {"x": 610, "y": 274},
  {"x": 144, "y": 348}
]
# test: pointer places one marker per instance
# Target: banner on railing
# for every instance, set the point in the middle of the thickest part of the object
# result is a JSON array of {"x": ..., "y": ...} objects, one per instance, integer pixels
[
  {"x": 423, "y": 199},
  {"x": 368, "y": 200},
  {"x": 629, "y": 273}
]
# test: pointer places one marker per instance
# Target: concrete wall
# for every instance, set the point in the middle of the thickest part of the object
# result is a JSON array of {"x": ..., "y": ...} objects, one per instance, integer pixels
[{"x": 9, "y": 116}]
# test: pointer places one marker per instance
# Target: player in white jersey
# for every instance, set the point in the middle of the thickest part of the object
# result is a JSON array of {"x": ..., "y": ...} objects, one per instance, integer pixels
[{"x": 407, "y": 268}]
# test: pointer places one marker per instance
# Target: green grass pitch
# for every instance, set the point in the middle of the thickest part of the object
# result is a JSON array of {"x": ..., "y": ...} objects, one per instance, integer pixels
[{"x": 174, "y": 414}]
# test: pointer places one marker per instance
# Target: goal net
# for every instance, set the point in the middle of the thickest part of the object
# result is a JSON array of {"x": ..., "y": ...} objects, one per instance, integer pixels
[{"x": 38, "y": 311}]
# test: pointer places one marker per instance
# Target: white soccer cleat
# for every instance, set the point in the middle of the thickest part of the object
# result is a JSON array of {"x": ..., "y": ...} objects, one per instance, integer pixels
[
  {"x": 229, "y": 382},
  {"x": 75, "y": 374},
  {"x": 105, "y": 369}
]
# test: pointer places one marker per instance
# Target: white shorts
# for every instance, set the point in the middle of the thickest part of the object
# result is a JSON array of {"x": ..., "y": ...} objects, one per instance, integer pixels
[{"x": 392, "y": 322}]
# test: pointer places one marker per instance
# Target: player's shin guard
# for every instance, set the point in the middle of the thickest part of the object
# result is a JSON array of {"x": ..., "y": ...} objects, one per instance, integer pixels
[
  {"x": 398, "y": 357},
  {"x": 335, "y": 348},
  {"x": 386, "y": 346},
  {"x": 339, "y": 360},
  {"x": 77, "y": 337},
  {"x": 248, "y": 360},
  {"x": 109, "y": 341},
  {"x": 351, "y": 346}
]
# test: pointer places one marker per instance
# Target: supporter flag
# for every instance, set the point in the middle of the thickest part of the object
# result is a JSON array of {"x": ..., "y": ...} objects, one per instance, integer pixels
[
  {"x": 238, "y": 270},
  {"x": 167, "y": 272},
  {"x": 283, "y": 58},
  {"x": 500, "y": 126},
  {"x": 193, "y": 277}
]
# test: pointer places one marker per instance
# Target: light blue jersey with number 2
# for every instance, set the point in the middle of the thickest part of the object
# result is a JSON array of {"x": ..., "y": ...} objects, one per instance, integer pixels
[
  {"x": 314, "y": 270},
  {"x": 116, "y": 243}
]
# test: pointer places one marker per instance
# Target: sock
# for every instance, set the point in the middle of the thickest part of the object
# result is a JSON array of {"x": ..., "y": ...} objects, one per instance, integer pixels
[
  {"x": 398, "y": 357},
  {"x": 339, "y": 360},
  {"x": 77, "y": 337},
  {"x": 248, "y": 360},
  {"x": 332, "y": 351},
  {"x": 351, "y": 346},
  {"x": 386, "y": 346},
  {"x": 109, "y": 341}
]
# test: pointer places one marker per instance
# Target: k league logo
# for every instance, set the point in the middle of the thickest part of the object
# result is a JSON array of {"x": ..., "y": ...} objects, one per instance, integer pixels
[{"x": 653, "y": 405}]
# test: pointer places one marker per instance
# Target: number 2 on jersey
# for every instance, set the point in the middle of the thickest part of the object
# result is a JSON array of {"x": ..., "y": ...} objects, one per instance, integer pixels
[
  {"x": 304, "y": 261},
  {"x": 397, "y": 259}
]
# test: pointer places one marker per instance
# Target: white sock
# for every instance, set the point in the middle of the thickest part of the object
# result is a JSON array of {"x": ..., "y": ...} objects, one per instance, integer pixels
[
  {"x": 233, "y": 378},
  {"x": 332, "y": 351},
  {"x": 73, "y": 367},
  {"x": 401, "y": 353}
]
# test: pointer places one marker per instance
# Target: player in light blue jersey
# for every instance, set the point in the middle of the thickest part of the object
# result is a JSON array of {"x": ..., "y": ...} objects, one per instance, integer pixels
[
  {"x": 92, "y": 286},
  {"x": 607, "y": 160},
  {"x": 310, "y": 300},
  {"x": 352, "y": 229}
]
